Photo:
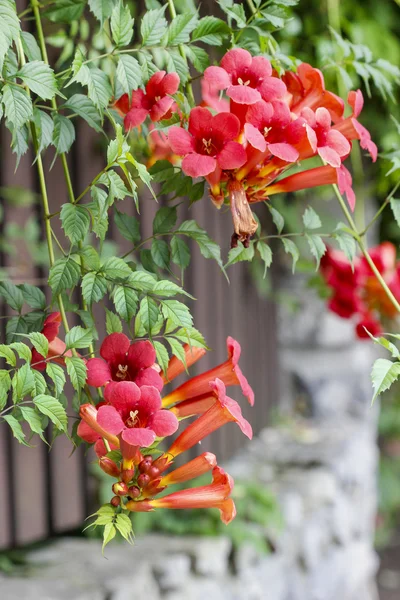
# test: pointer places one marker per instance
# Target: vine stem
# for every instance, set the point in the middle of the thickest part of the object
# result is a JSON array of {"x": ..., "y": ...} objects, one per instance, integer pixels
[
  {"x": 364, "y": 250},
  {"x": 189, "y": 89},
  {"x": 381, "y": 209}
]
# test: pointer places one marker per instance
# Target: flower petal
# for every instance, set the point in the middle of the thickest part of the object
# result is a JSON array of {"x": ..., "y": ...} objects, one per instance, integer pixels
[
  {"x": 232, "y": 156},
  {"x": 163, "y": 423},
  {"x": 98, "y": 372},
  {"x": 260, "y": 67},
  {"x": 87, "y": 433},
  {"x": 254, "y": 137},
  {"x": 330, "y": 156},
  {"x": 170, "y": 83},
  {"x": 138, "y": 436},
  {"x": 260, "y": 114},
  {"x": 356, "y": 101},
  {"x": 284, "y": 151},
  {"x": 217, "y": 77},
  {"x": 198, "y": 165},
  {"x": 135, "y": 117},
  {"x": 110, "y": 420},
  {"x": 149, "y": 377},
  {"x": 243, "y": 94},
  {"x": 200, "y": 122},
  {"x": 149, "y": 401},
  {"x": 338, "y": 142},
  {"x": 114, "y": 347},
  {"x": 180, "y": 141},
  {"x": 160, "y": 108},
  {"x": 225, "y": 126},
  {"x": 236, "y": 60},
  {"x": 272, "y": 88},
  {"x": 51, "y": 326},
  {"x": 154, "y": 85},
  {"x": 123, "y": 396},
  {"x": 141, "y": 355}
]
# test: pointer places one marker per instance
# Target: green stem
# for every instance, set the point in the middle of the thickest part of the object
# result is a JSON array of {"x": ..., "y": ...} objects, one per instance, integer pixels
[
  {"x": 381, "y": 209},
  {"x": 364, "y": 250},
  {"x": 189, "y": 89}
]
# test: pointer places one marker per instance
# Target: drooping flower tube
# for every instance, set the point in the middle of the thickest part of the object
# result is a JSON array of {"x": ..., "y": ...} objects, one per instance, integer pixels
[
  {"x": 352, "y": 129},
  {"x": 176, "y": 366},
  {"x": 57, "y": 347}
]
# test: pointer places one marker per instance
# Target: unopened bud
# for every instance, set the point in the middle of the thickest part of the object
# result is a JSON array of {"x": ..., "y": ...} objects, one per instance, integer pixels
[
  {"x": 127, "y": 475},
  {"x": 120, "y": 488},
  {"x": 145, "y": 465},
  {"x": 153, "y": 472},
  {"x": 143, "y": 480},
  {"x": 134, "y": 491},
  {"x": 108, "y": 466},
  {"x": 115, "y": 501}
]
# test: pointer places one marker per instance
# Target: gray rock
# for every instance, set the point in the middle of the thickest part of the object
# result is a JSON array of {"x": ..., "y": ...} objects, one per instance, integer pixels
[
  {"x": 172, "y": 571},
  {"x": 212, "y": 556}
]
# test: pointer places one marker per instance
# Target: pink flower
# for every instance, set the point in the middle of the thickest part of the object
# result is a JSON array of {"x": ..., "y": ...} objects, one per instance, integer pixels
[
  {"x": 123, "y": 361},
  {"x": 352, "y": 129},
  {"x": 211, "y": 97},
  {"x": 57, "y": 347},
  {"x": 329, "y": 143},
  {"x": 155, "y": 102},
  {"x": 133, "y": 415},
  {"x": 246, "y": 79},
  {"x": 208, "y": 143}
]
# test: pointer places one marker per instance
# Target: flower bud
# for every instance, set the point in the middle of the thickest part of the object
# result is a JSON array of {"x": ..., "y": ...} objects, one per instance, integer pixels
[
  {"x": 127, "y": 474},
  {"x": 115, "y": 501},
  {"x": 153, "y": 472},
  {"x": 145, "y": 465},
  {"x": 108, "y": 466},
  {"x": 161, "y": 463},
  {"x": 143, "y": 480},
  {"x": 134, "y": 491},
  {"x": 120, "y": 488}
]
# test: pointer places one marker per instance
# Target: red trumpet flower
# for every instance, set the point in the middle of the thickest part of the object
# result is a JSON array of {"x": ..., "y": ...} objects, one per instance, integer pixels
[
  {"x": 352, "y": 129},
  {"x": 176, "y": 366},
  {"x": 57, "y": 347}
]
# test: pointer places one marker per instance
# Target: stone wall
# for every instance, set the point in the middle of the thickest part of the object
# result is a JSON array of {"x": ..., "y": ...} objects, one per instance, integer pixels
[{"x": 322, "y": 467}]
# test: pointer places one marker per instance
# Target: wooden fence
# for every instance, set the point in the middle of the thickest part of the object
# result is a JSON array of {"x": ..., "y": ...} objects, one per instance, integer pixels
[{"x": 42, "y": 492}]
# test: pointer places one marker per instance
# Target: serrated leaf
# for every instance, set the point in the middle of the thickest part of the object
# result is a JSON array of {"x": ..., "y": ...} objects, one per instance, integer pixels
[
  {"x": 30, "y": 46},
  {"x": 12, "y": 295},
  {"x": 52, "y": 408},
  {"x": 56, "y": 374},
  {"x": 125, "y": 302},
  {"x": 15, "y": 428},
  {"x": 177, "y": 312},
  {"x": 291, "y": 248},
  {"x": 121, "y": 24},
  {"x": 63, "y": 134},
  {"x": 78, "y": 337},
  {"x": 148, "y": 313},
  {"x": 113, "y": 323},
  {"x": 102, "y": 9},
  {"x": 44, "y": 129},
  {"x": 9, "y": 27},
  {"x": 40, "y": 78},
  {"x": 181, "y": 27},
  {"x": 142, "y": 281},
  {"x": 64, "y": 274},
  {"x": 129, "y": 73},
  {"x": 395, "y": 206},
  {"x": 165, "y": 219},
  {"x": 75, "y": 220},
  {"x": 384, "y": 373},
  {"x": 76, "y": 370},
  {"x": 317, "y": 247},
  {"x": 115, "y": 268},
  {"x": 162, "y": 355},
  {"x": 239, "y": 254},
  {"x": 108, "y": 534},
  {"x": 14, "y": 326},
  {"x": 22, "y": 382},
  {"x": 84, "y": 108},
  {"x": 23, "y": 351},
  {"x": 266, "y": 255},
  {"x": 210, "y": 30},
  {"x": 94, "y": 286},
  {"x": 161, "y": 171},
  {"x": 33, "y": 419},
  {"x": 153, "y": 27},
  {"x": 168, "y": 288},
  {"x": 347, "y": 244},
  {"x": 7, "y": 353},
  {"x": 65, "y": 11},
  {"x": 128, "y": 226},
  {"x": 5, "y": 384},
  {"x": 177, "y": 349},
  {"x": 180, "y": 252},
  {"x": 40, "y": 384},
  {"x": 310, "y": 219},
  {"x": 160, "y": 253},
  {"x": 40, "y": 343},
  {"x": 277, "y": 218},
  {"x": 98, "y": 83}
]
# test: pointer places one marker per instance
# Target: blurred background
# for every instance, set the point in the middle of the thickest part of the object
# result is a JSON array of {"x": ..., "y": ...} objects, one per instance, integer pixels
[{"x": 318, "y": 491}]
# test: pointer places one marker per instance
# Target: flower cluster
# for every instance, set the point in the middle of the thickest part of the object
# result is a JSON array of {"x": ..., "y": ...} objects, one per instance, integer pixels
[
  {"x": 356, "y": 293},
  {"x": 251, "y": 128},
  {"x": 134, "y": 418}
]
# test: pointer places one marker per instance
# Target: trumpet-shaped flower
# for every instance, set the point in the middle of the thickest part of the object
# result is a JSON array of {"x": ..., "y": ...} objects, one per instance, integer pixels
[
  {"x": 330, "y": 144},
  {"x": 209, "y": 143},
  {"x": 57, "y": 347},
  {"x": 176, "y": 366},
  {"x": 123, "y": 361},
  {"x": 352, "y": 129}
]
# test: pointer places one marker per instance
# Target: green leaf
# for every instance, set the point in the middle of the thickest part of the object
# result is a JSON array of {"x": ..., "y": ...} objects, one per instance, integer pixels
[
  {"x": 64, "y": 274},
  {"x": 40, "y": 78},
  {"x": 177, "y": 312},
  {"x": 75, "y": 221},
  {"x": 168, "y": 288},
  {"x": 192, "y": 336},
  {"x": 177, "y": 349},
  {"x": 129, "y": 227},
  {"x": 113, "y": 323},
  {"x": 117, "y": 186},
  {"x": 78, "y": 337},
  {"x": 39, "y": 342},
  {"x": 125, "y": 302},
  {"x": 22, "y": 383},
  {"x": 129, "y": 73},
  {"x": 347, "y": 243},
  {"x": 16, "y": 429},
  {"x": 384, "y": 373},
  {"x": 98, "y": 83},
  {"x": 23, "y": 351},
  {"x": 124, "y": 526},
  {"x": 5, "y": 384},
  {"x": 277, "y": 218},
  {"x": 121, "y": 24},
  {"x": 266, "y": 255},
  {"x": 210, "y": 30},
  {"x": 199, "y": 58},
  {"x": 76, "y": 370},
  {"x": 240, "y": 253},
  {"x": 165, "y": 219},
  {"x": 102, "y": 9},
  {"x": 291, "y": 248},
  {"x": 8, "y": 354},
  {"x": 63, "y": 134},
  {"x": 17, "y": 105},
  {"x": 91, "y": 259},
  {"x": 94, "y": 286},
  {"x": 395, "y": 206},
  {"x": 56, "y": 374},
  {"x": 52, "y": 408},
  {"x": 208, "y": 248},
  {"x": 181, "y": 27},
  {"x": 115, "y": 268},
  {"x": 148, "y": 313},
  {"x": 160, "y": 253},
  {"x": 236, "y": 12},
  {"x": 44, "y": 129},
  {"x": 14, "y": 326},
  {"x": 161, "y": 171},
  {"x": 9, "y": 27},
  {"x": 180, "y": 252},
  {"x": 12, "y": 295},
  {"x": 40, "y": 385},
  {"x": 317, "y": 247},
  {"x": 84, "y": 108},
  {"x": 153, "y": 27},
  {"x": 30, "y": 46},
  {"x": 108, "y": 534},
  {"x": 162, "y": 355},
  {"x": 65, "y": 11},
  {"x": 34, "y": 420},
  {"x": 310, "y": 219}
]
